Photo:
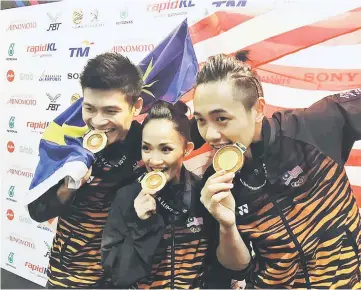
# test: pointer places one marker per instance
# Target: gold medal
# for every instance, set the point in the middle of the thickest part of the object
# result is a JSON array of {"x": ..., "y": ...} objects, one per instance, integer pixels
[
  {"x": 95, "y": 141},
  {"x": 154, "y": 181},
  {"x": 229, "y": 158}
]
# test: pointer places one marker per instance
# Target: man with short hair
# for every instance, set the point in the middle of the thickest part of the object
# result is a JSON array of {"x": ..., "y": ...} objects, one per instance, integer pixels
[
  {"x": 112, "y": 87},
  {"x": 291, "y": 202}
]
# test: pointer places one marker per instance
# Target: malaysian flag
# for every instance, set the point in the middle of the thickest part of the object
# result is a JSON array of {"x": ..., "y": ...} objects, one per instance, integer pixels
[{"x": 302, "y": 51}]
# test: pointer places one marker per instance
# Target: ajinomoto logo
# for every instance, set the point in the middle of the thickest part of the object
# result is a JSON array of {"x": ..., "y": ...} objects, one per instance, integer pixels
[{"x": 21, "y": 26}]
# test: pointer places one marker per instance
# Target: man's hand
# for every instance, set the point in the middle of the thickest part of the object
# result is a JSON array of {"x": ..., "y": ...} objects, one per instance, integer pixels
[
  {"x": 64, "y": 193},
  {"x": 145, "y": 204},
  {"x": 218, "y": 199}
]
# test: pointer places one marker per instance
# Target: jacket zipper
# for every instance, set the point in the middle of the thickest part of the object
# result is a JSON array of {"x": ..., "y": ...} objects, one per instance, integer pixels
[
  {"x": 295, "y": 241},
  {"x": 172, "y": 256}
]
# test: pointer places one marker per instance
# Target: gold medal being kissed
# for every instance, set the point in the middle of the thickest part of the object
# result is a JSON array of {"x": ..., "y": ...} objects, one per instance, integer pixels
[
  {"x": 229, "y": 158},
  {"x": 154, "y": 180},
  {"x": 95, "y": 141}
]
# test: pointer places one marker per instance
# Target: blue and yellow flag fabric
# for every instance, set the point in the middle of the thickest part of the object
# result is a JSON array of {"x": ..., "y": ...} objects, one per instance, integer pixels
[{"x": 169, "y": 72}]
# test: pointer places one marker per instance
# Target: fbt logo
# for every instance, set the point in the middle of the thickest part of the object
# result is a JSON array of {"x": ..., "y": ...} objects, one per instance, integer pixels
[
  {"x": 53, "y": 106},
  {"x": 11, "y": 52},
  {"x": 36, "y": 268},
  {"x": 55, "y": 23},
  {"x": 81, "y": 51},
  {"x": 10, "y": 76},
  {"x": 11, "y": 146},
  {"x": 12, "y": 125},
  {"x": 47, "y": 254},
  {"x": 230, "y": 3},
  {"x": 170, "y": 5},
  {"x": 11, "y": 193},
  {"x": 73, "y": 76},
  {"x": 10, "y": 214},
  {"x": 42, "y": 49}
]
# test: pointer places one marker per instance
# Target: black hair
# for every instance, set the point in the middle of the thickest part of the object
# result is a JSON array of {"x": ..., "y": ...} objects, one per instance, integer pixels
[
  {"x": 234, "y": 68},
  {"x": 113, "y": 71},
  {"x": 175, "y": 113}
]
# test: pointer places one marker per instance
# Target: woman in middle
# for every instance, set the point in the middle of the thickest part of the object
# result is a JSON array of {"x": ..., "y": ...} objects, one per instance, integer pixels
[{"x": 162, "y": 238}]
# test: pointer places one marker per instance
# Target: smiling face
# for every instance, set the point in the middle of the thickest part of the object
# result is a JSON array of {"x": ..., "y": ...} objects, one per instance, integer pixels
[
  {"x": 164, "y": 148},
  {"x": 222, "y": 118},
  {"x": 109, "y": 111}
]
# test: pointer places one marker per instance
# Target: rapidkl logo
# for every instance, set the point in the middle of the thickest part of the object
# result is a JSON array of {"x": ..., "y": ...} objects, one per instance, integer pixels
[
  {"x": 10, "y": 75},
  {"x": 36, "y": 269},
  {"x": 37, "y": 125},
  {"x": 11, "y": 146},
  {"x": 230, "y": 3},
  {"x": 42, "y": 49},
  {"x": 81, "y": 51},
  {"x": 10, "y": 214},
  {"x": 170, "y": 5}
]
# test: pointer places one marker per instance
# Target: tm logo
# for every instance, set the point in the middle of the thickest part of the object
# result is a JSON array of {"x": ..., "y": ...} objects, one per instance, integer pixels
[
  {"x": 81, "y": 51},
  {"x": 230, "y": 3}
]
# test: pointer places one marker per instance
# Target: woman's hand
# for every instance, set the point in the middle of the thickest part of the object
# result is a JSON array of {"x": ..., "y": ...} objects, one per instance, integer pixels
[{"x": 145, "y": 205}]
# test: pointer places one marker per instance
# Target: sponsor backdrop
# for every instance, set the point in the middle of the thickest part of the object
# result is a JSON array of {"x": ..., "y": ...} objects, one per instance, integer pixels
[{"x": 302, "y": 52}]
